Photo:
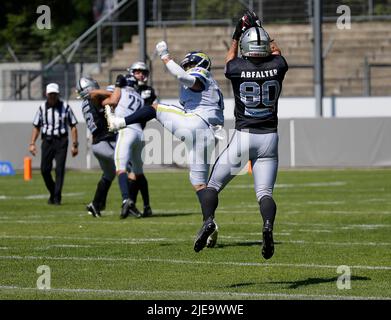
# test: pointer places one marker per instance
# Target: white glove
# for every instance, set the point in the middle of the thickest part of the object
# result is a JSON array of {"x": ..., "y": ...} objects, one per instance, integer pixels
[
  {"x": 114, "y": 122},
  {"x": 162, "y": 49}
]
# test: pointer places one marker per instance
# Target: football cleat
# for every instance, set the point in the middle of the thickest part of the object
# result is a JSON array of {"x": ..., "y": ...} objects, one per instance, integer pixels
[
  {"x": 114, "y": 123},
  {"x": 147, "y": 212},
  {"x": 92, "y": 210},
  {"x": 125, "y": 208},
  {"x": 134, "y": 211},
  {"x": 212, "y": 239},
  {"x": 207, "y": 229},
  {"x": 267, "y": 241}
]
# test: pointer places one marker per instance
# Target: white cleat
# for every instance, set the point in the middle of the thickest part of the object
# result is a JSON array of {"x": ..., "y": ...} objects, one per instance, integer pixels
[
  {"x": 114, "y": 122},
  {"x": 212, "y": 239}
]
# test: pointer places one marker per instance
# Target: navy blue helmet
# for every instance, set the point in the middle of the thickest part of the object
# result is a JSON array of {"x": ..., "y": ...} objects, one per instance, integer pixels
[{"x": 196, "y": 59}]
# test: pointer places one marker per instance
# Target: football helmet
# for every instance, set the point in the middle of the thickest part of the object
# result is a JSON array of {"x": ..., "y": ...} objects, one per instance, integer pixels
[
  {"x": 85, "y": 85},
  {"x": 196, "y": 59},
  {"x": 255, "y": 42},
  {"x": 139, "y": 66}
]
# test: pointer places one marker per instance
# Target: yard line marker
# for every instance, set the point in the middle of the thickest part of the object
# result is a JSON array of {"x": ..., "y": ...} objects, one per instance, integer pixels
[
  {"x": 175, "y": 261},
  {"x": 192, "y": 293}
]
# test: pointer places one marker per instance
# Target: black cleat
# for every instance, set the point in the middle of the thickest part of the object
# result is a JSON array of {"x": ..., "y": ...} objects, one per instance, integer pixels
[
  {"x": 267, "y": 242},
  {"x": 212, "y": 239},
  {"x": 134, "y": 211},
  {"x": 92, "y": 210},
  {"x": 207, "y": 229},
  {"x": 128, "y": 207},
  {"x": 147, "y": 212},
  {"x": 125, "y": 208}
]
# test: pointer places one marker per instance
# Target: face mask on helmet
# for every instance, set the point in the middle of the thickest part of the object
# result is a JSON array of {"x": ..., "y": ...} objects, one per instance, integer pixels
[
  {"x": 255, "y": 42},
  {"x": 131, "y": 81},
  {"x": 196, "y": 59},
  {"x": 140, "y": 71},
  {"x": 84, "y": 86}
]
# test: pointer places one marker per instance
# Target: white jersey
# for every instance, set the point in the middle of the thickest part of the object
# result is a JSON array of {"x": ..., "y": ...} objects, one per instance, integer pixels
[
  {"x": 128, "y": 104},
  {"x": 207, "y": 103}
]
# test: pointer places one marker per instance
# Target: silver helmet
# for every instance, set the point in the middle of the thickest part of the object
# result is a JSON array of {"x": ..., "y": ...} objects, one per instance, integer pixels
[
  {"x": 85, "y": 85},
  {"x": 255, "y": 42},
  {"x": 141, "y": 66}
]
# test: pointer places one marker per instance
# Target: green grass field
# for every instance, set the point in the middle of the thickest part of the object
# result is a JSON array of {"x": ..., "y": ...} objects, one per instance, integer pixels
[{"x": 325, "y": 218}]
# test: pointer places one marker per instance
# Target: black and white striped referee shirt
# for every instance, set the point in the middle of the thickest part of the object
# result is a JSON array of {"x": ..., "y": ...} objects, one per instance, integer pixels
[{"x": 54, "y": 121}]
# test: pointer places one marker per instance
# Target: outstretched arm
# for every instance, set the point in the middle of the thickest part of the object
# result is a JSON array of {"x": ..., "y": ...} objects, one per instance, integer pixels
[
  {"x": 233, "y": 51},
  {"x": 176, "y": 70}
]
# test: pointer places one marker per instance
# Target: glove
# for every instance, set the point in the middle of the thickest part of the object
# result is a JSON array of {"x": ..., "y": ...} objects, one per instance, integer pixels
[
  {"x": 114, "y": 123},
  {"x": 121, "y": 81},
  {"x": 249, "y": 20},
  {"x": 162, "y": 49}
]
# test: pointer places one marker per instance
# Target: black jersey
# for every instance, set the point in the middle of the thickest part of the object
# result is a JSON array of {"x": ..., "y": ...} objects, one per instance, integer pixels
[
  {"x": 257, "y": 88},
  {"x": 148, "y": 94},
  {"x": 96, "y": 122}
]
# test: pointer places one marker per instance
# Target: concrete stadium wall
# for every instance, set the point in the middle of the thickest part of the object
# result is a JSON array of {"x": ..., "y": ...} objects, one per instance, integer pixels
[
  {"x": 303, "y": 143},
  {"x": 357, "y": 135},
  {"x": 340, "y": 107}
]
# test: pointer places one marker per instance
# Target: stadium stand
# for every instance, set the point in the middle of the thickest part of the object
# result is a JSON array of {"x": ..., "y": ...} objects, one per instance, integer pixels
[{"x": 344, "y": 51}]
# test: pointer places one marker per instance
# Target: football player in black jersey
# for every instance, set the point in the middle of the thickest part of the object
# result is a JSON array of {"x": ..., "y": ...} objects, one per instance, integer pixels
[
  {"x": 256, "y": 79},
  {"x": 103, "y": 141},
  {"x": 140, "y": 71}
]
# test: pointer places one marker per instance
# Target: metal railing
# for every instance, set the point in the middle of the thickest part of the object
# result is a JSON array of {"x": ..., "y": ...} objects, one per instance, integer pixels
[{"x": 368, "y": 66}]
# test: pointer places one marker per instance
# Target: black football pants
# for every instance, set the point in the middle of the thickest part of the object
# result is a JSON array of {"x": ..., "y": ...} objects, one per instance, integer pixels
[{"x": 54, "y": 149}]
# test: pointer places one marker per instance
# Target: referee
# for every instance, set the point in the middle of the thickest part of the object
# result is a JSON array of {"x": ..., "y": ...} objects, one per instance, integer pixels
[{"x": 52, "y": 120}]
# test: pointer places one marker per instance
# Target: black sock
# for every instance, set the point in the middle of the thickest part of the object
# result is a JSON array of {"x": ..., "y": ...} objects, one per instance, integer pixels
[
  {"x": 143, "y": 187},
  {"x": 101, "y": 192},
  {"x": 143, "y": 115},
  {"x": 133, "y": 189},
  {"x": 268, "y": 210},
  {"x": 123, "y": 185},
  {"x": 209, "y": 201}
]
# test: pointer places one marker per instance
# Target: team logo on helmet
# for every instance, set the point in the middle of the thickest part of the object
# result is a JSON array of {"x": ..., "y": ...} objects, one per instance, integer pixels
[{"x": 196, "y": 59}]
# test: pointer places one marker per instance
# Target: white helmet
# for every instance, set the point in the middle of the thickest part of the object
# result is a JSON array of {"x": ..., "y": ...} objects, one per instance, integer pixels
[
  {"x": 85, "y": 85},
  {"x": 255, "y": 42},
  {"x": 141, "y": 66}
]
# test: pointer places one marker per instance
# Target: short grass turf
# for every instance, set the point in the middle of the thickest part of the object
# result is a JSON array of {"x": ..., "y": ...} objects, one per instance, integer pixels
[{"x": 325, "y": 219}]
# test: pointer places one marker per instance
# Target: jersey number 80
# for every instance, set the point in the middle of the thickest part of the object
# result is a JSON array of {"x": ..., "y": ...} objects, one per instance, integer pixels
[{"x": 253, "y": 95}]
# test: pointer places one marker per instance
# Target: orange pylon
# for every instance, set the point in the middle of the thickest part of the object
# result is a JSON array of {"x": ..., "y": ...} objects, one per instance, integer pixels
[{"x": 27, "y": 169}]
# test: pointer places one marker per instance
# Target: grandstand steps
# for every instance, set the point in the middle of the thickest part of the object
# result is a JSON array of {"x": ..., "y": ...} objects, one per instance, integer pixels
[{"x": 345, "y": 51}]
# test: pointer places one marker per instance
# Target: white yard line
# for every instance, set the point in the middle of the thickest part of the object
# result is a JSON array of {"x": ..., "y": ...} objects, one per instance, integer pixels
[
  {"x": 239, "y": 237},
  {"x": 192, "y": 262},
  {"x": 294, "y": 185},
  {"x": 192, "y": 293},
  {"x": 40, "y": 196}
]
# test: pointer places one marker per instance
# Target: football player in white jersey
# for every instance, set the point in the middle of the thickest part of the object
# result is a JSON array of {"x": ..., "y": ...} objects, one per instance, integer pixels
[
  {"x": 198, "y": 122},
  {"x": 126, "y": 100}
]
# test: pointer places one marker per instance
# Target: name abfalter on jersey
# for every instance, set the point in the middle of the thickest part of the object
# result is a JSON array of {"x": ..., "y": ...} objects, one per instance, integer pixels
[{"x": 259, "y": 74}]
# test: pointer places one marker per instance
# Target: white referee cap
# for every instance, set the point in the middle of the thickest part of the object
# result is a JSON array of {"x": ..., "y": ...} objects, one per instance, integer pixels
[{"x": 52, "y": 88}]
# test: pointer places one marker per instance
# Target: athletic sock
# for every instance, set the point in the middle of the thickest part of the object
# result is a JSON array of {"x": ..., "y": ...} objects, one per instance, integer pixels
[
  {"x": 143, "y": 187},
  {"x": 142, "y": 115},
  {"x": 268, "y": 210},
  {"x": 209, "y": 201},
  {"x": 123, "y": 185},
  {"x": 133, "y": 189},
  {"x": 101, "y": 192}
]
